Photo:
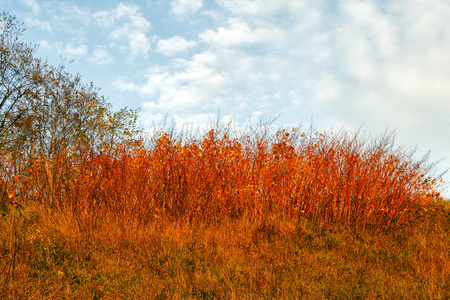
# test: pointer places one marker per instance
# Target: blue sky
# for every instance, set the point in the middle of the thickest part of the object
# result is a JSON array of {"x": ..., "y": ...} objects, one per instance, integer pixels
[{"x": 343, "y": 63}]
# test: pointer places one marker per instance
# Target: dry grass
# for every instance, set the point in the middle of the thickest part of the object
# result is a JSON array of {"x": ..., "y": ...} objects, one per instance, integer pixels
[
  {"x": 292, "y": 215},
  {"x": 236, "y": 259}
]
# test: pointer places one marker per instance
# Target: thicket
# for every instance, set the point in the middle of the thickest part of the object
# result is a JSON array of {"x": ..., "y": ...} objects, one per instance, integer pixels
[{"x": 331, "y": 178}]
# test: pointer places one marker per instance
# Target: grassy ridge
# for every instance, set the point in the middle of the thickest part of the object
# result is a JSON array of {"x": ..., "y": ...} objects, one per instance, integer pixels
[
  {"x": 225, "y": 215},
  {"x": 238, "y": 259}
]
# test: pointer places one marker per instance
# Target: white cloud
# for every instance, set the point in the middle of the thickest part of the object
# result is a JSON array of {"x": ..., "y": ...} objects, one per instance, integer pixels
[
  {"x": 74, "y": 52},
  {"x": 33, "y": 5},
  {"x": 183, "y": 7},
  {"x": 187, "y": 89},
  {"x": 347, "y": 63},
  {"x": 44, "y": 45},
  {"x": 240, "y": 33},
  {"x": 174, "y": 45},
  {"x": 104, "y": 19},
  {"x": 128, "y": 27},
  {"x": 260, "y": 8},
  {"x": 100, "y": 56},
  {"x": 68, "y": 18},
  {"x": 44, "y": 25}
]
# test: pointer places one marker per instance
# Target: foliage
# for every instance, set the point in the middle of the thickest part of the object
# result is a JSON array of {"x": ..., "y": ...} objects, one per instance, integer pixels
[
  {"x": 326, "y": 177},
  {"x": 45, "y": 111}
]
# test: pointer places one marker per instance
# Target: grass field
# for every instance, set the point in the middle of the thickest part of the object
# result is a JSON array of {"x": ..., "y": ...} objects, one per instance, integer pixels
[{"x": 257, "y": 215}]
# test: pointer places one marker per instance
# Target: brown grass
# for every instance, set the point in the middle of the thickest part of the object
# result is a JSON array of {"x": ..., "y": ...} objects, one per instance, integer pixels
[{"x": 236, "y": 259}]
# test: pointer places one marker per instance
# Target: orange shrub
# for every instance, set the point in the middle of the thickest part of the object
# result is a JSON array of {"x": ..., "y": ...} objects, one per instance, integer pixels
[{"x": 328, "y": 177}]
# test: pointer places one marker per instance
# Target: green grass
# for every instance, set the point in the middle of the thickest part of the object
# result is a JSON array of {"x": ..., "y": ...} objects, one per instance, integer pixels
[{"x": 45, "y": 255}]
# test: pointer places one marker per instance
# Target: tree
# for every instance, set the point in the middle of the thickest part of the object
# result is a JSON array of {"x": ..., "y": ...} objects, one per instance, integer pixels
[
  {"x": 44, "y": 109},
  {"x": 42, "y": 105},
  {"x": 17, "y": 79}
]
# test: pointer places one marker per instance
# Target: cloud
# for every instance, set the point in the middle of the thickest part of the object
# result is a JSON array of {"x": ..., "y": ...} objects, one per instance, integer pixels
[
  {"x": 240, "y": 33},
  {"x": 174, "y": 45},
  {"x": 100, "y": 56},
  {"x": 72, "y": 20},
  {"x": 33, "y": 5},
  {"x": 391, "y": 64},
  {"x": 346, "y": 63},
  {"x": 44, "y": 45},
  {"x": 128, "y": 28},
  {"x": 44, "y": 25},
  {"x": 186, "y": 90},
  {"x": 74, "y": 52},
  {"x": 30, "y": 18},
  {"x": 183, "y": 7}
]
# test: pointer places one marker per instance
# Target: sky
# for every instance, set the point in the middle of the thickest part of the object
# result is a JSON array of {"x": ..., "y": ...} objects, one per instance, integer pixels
[{"x": 343, "y": 64}]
